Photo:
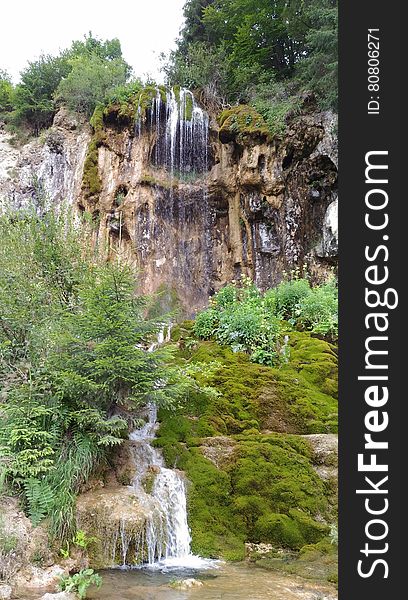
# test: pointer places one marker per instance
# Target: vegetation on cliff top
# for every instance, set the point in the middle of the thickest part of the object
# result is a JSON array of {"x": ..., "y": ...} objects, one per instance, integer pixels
[
  {"x": 79, "y": 77},
  {"x": 258, "y": 51}
]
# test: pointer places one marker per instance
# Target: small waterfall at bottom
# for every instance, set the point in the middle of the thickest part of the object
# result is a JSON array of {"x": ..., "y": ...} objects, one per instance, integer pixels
[{"x": 164, "y": 540}]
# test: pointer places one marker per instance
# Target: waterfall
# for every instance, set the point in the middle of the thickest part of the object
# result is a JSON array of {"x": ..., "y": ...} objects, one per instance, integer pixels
[
  {"x": 165, "y": 539},
  {"x": 181, "y": 129}
]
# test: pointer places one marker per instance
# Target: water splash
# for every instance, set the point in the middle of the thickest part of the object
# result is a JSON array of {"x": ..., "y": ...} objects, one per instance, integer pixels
[{"x": 165, "y": 539}]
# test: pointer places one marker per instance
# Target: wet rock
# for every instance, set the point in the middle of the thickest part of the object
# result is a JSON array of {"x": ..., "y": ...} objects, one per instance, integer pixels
[
  {"x": 25, "y": 541},
  {"x": 116, "y": 519},
  {"x": 218, "y": 449},
  {"x": 325, "y": 448},
  {"x": 186, "y": 584},
  {"x": 262, "y": 207},
  {"x": 328, "y": 246},
  {"x": 31, "y": 579}
]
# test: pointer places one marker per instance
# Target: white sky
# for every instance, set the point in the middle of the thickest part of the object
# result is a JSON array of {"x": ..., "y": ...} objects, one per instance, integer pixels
[{"x": 144, "y": 27}]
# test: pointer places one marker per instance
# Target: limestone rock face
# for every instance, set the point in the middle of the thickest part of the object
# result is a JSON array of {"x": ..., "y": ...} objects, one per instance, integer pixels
[
  {"x": 49, "y": 167},
  {"x": 254, "y": 207},
  {"x": 116, "y": 518}
]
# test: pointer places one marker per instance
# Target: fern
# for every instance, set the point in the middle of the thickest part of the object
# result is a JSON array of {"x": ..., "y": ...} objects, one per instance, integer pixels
[{"x": 40, "y": 499}]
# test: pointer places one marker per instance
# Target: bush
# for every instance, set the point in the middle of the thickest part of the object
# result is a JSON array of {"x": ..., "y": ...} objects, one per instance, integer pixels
[
  {"x": 237, "y": 318},
  {"x": 288, "y": 296},
  {"x": 6, "y": 93},
  {"x": 34, "y": 96},
  {"x": 80, "y": 582},
  {"x": 249, "y": 321},
  {"x": 318, "y": 311},
  {"x": 91, "y": 78}
]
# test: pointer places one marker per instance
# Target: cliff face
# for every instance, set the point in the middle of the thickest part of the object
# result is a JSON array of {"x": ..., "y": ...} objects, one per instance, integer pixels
[
  {"x": 191, "y": 208},
  {"x": 50, "y": 166}
]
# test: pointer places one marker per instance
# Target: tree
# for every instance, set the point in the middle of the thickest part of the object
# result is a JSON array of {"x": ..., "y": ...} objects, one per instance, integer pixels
[
  {"x": 265, "y": 42},
  {"x": 34, "y": 104},
  {"x": 318, "y": 70},
  {"x": 91, "y": 78},
  {"x": 6, "y": 93},
  {"x": 79, "y": 77}
]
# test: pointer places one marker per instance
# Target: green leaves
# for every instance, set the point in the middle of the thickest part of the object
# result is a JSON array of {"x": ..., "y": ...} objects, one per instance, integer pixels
[
  {"x": 250, "y": 50},
  {"x": 40, "y": 498},
  {"x": 80, "y": 582},
  {"x": 74, "y": 340},
  {"x": 79, "y": 77},
  {"x": 91, "y": 78},
  {"x": 251, "y": 322}
]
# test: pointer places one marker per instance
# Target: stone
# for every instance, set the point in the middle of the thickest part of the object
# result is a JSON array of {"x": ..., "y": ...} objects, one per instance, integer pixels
[
  {"x": 59, "y": 596},
  {"x": 187, "y": 584},
  {"x": 257, "y": 212},
  {"x": 31, "y": 579},
  {"x": 5, "y": 592}
]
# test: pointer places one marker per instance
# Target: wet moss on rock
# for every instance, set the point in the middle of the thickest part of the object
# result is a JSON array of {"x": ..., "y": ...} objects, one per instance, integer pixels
[{"x": 240, "y": 123}]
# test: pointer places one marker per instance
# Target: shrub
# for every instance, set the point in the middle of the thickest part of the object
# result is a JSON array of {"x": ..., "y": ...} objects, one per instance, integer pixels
[
  {"x": 91, "y": 78},
  {"x": 288, "y": 296},
  {"x": 318, "y": 311},
  {"x": 80, "y": 582},
  {"x": 251, "y": 322},
  {"x": 237, "y": 318},
  {"x": 6, "y": 94}
]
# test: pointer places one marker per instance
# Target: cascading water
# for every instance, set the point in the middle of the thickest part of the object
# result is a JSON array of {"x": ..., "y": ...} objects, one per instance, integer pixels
[
  {"x": 181, "y": 128},
  {"x": 165, "y": 539},
  {"x": 172, "y": 130}
]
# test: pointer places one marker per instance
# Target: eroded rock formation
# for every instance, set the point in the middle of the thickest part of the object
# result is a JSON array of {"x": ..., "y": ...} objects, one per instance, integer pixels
[{"x": 190, "y": 208}]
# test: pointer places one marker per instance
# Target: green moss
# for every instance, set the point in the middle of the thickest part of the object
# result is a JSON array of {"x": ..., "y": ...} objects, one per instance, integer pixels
[
  {"x": 177, "y": 90},
  {"x": 188, "y": 109},
  {"x": 264, "y": 488},
  {"x": 266, "y": 475},
  {"x": 150, "y": 180},
  {"x": 91, "y": 181},
  {"x": 241, "y": 122},
  {"x": 294, "y": 398},
  {"x": 216, "y": 532},
  {"x": 314, "y": 561},
  {"x": 146, "y": 98}
]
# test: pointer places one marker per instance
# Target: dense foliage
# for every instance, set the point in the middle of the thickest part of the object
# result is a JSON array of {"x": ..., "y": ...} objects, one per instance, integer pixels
[
  {"x": 73, "y": 341},
  {"x": 260, "y": 52},
  {"x": 78, "y": 77},
  {"x": 257, "y": 50},
  {"x": 6, "y": 93},
  {"x": 249, "y": 321}
]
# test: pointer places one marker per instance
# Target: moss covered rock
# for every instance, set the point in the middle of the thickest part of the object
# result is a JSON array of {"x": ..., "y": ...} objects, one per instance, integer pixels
[
  {"x": 249, "y": 483},
  {"x": 240, "y": 122}
]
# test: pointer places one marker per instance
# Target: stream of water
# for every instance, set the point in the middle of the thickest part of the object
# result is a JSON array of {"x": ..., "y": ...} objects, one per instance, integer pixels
[{"x": 229, "y": 582}]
